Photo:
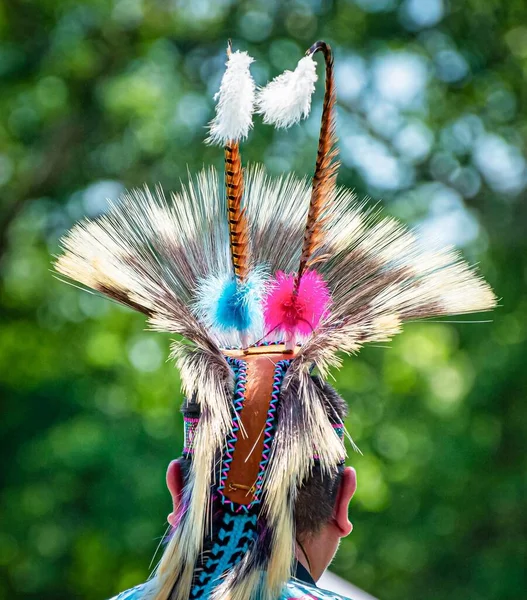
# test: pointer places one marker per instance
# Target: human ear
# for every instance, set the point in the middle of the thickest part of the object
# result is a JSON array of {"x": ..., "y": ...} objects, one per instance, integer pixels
[
  {"x": 348, "y": 485},
  {"x": 175, "y": 487}
]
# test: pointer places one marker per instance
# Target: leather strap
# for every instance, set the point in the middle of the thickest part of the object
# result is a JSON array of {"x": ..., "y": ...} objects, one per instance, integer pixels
[{"x": 244, "y": 468}]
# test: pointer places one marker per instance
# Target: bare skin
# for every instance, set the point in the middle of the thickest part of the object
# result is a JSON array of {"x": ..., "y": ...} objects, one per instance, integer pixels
[{"x": 317, "y": 551}]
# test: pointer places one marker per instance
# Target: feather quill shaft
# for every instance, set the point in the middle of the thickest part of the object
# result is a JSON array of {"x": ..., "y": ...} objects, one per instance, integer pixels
[{"x": 324, "y": 179}]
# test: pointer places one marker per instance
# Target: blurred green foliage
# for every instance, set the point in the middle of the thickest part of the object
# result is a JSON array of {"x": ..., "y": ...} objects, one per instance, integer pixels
[{"x": 101, "y": 94}]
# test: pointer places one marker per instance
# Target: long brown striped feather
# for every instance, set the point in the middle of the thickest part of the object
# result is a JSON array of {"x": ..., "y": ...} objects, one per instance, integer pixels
[
  {"x": 238, "y": 226},
  {"x": 326, "y": 167}
]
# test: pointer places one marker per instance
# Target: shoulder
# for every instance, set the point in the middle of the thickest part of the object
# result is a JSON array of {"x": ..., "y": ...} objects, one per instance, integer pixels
[
  {"x": 294, "y": 590},
  {"x": 299, "y": 590},
  {"x": 144, "y": 591}
]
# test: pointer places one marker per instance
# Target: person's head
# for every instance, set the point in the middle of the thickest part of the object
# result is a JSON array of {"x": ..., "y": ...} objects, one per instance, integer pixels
[
  {"x": 321, "y": 516},
  {"x": 321, "y": 507},
  {"x": 321, "y": 512}
]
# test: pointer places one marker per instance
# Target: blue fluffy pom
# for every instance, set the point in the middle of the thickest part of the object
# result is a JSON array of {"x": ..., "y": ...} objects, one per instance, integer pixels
[
  {"x": 234, "y": 308},
  {"x": 227, "y": 304}
]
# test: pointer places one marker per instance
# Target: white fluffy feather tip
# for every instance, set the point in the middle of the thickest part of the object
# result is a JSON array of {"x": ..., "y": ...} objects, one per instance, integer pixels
[
  {"x": 287, "y": 99},
  {"x": 235, "y": 101}
]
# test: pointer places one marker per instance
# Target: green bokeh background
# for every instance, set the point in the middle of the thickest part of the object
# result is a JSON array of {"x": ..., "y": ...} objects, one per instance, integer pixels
[{"x": 101, "y": 94}]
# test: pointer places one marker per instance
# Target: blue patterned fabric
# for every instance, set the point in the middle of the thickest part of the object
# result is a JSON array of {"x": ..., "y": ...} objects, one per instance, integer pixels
[
  {"x": 293, "y": 590},
  {"x": 235, "y": 534}
]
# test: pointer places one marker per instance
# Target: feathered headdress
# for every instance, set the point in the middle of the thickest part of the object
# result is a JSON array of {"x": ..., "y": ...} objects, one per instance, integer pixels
[{"x": 264, "y": 282}]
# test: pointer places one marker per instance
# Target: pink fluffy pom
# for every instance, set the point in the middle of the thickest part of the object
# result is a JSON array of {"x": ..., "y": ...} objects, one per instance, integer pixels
[{"x": 283, "y": 312}]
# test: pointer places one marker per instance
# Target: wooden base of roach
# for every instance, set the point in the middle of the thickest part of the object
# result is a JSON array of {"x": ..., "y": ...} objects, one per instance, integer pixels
[{"x": 255, "y": 350}]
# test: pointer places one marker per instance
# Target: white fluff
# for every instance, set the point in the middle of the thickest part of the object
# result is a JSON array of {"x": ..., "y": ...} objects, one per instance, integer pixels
[
  {"x": 287, "y": 99},
  {"x": 235, "y": 102}
]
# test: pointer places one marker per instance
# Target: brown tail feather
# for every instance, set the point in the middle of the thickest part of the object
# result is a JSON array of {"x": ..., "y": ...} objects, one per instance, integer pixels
[
  {"x": 238, "y": 227},
  {"x": 326, "y": 167}
]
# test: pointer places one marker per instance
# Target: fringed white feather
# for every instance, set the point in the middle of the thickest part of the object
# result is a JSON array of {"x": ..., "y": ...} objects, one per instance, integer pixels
[
  {"x": 287, "y": 99},
  {"x": 235, "y": 102}
]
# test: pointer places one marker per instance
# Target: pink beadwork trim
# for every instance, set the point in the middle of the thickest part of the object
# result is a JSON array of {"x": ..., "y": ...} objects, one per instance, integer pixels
[{"x": 190, "y": 424}]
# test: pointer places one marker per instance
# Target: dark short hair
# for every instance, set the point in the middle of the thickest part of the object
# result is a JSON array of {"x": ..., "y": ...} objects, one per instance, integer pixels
[{"x": 318, "y": 494}]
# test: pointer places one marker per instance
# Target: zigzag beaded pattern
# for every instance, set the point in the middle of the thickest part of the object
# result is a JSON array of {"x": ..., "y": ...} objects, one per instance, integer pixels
[
  {"x": 233, "y": 536},
  {"x": 279, "y": 372},
  {"x": 240, "y": 376},
  {"x": 240, "y": 373},
  {"x": 190, "y": 424}
]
